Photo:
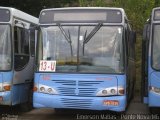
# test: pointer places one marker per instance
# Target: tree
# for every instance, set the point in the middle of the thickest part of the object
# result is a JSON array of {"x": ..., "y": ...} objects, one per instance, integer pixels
[{"x": 34, "y": 7}]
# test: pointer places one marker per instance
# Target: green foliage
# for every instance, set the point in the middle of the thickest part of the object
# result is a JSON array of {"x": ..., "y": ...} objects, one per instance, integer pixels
[
  {"x": 137, "y": 11},
  {"x": 93, "y": 3},
  {"x": 34, "y": 7}
]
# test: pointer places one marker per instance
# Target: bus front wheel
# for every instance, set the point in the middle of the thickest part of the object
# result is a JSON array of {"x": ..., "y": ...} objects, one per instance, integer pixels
[{"x": 154, "y": 110}]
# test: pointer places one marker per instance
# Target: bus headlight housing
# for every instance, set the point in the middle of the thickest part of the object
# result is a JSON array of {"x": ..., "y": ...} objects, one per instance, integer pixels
[
  {"x": 47, "y": 90},
  {"x": 111, "y": 91},
  {"x": 155, "y": 89}
]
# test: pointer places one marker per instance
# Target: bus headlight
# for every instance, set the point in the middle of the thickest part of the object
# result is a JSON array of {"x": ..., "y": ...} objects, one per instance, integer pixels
[
  {"x": 104, "y": 92},
  {"x": 47, "y": 89},
  {"x": 42, "y": 89},
  {"x": 6, "y": 87},
  {"x": 111, "y": 91},
  {"x": 155, "y": 89},
  {"x": 50, "y": 90}
]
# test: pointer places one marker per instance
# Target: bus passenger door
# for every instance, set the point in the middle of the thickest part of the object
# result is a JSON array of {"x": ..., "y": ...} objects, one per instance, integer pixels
[
  {"x": 132, "y": 69},
  {"x": 23, "y": 63},
  {"x": 145, "y": 49},
  {"x": 130, "y": 62}
]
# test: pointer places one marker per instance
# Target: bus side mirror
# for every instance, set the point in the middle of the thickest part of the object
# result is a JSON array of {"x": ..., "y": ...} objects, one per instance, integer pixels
[
  {"x": 146, "y": 32},
  {"x": 132, "y": 37}
]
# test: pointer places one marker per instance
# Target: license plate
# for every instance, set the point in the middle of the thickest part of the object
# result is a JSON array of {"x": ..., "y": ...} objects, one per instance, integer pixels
[{"x": 111, "y": 102}]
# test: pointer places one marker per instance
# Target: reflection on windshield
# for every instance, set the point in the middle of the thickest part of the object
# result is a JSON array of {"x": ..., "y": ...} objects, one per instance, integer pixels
[
  {"x": 93, "y": 51},
  {"x": 5, "y": 47},
  {"x": 156, "y": 46}
]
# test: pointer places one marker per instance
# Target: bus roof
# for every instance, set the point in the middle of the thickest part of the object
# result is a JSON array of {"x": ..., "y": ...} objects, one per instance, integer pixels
[
  {"x": 19, "y": 14},
  {"x": 65, "y": 8},
  {"x": 156, "y": 14},
  {"x": 52, "y": 14}
]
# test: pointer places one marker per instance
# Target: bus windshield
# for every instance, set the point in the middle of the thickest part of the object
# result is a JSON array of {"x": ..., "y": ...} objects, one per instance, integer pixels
[
  {"x": 82, "y": 48},
  {"x": 156, "y": 47},
  {"x": 5, "y": 47}
]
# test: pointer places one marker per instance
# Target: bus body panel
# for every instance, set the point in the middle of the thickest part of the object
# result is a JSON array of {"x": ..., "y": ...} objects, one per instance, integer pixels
[
  {"x": 153, "y": 99},
  {"x": 79, "y": 89},
  {"x": 1, "y": 82},
  {"x": 5, "y": 98},
  {"x": 91, "y": 103},
  {"x": 22, "y": 83},
  {"x": 26, "y": 74},
  {"x": 154, "y": 81},
  {"x": 6, "y": 79},
  {"x": 17, "y": 94},
  {"x": 20, "y": 93}
]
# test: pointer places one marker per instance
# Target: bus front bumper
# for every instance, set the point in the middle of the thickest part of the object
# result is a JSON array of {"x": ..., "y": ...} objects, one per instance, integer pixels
[
  {"x": 5, "y": 98},
  {"x": 154, "y": 99},
  {"x": 114, "y": 103}
]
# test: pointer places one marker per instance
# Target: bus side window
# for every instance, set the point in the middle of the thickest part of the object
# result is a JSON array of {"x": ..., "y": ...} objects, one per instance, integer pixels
[
  {"x": 126, "y": 40},
  {"x": 21, "y": 48},
  {"x": 25, "y": 42},
  {"x": 32, "y": 43},
  {"x": 15, "y": 40},
  {"x": 132, "y": 38}
]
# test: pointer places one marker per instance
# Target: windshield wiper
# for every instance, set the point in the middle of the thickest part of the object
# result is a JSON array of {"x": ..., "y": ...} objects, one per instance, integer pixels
[
  {"x": 68, "y": 37},
  {"x": 92, "y": 33}
]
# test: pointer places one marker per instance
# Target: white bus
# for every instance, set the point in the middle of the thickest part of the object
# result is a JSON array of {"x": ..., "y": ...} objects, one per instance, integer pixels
[{"x": 17, "y": 48}]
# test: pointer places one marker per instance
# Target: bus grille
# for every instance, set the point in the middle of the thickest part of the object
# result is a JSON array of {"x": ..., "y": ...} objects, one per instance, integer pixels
[
  {"x": 77, "y": 88},
  {"x": 76, "y": 103}
]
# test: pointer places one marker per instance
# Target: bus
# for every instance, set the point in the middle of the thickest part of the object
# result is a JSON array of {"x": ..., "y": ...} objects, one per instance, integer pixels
[
  {"x": 17, "y": 51},
  {"x": 151, "y": 61},
  {"x": 85, "y": 59}
]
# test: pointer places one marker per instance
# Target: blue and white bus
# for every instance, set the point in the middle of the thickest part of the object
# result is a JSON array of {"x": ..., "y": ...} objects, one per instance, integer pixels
[
  {"x": 85, "y": 59},
  {"x": 17, "y": 48},
  {"x": 151, "y": 61}
]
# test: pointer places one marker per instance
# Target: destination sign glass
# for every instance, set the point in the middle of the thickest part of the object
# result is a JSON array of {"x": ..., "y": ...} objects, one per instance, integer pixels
[{"x": 81, "y": 16}]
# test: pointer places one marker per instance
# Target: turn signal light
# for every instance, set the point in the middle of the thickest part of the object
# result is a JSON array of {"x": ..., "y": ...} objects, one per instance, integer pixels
[
  {"x": 121, "y": 91},
  {"x": 7, "y": 87},
  {"x": 1, "y": 98},
  {"x": 35, "y": 89}
]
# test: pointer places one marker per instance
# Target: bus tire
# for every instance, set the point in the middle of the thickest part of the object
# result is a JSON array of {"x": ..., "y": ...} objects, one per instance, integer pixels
[
  {"x": 154, "y": 110},
  {"x": 133, "y": 91},
  {"x": 27, "y": 106},
  {"x": 58, "y": 110}
]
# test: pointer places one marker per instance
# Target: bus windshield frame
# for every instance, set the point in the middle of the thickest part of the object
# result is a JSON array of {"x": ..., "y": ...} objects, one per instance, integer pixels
[
  {"x": 81, "y": 33},
  {"x": 5, "y": 47},
  {"x": 155, "y": 57}
]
